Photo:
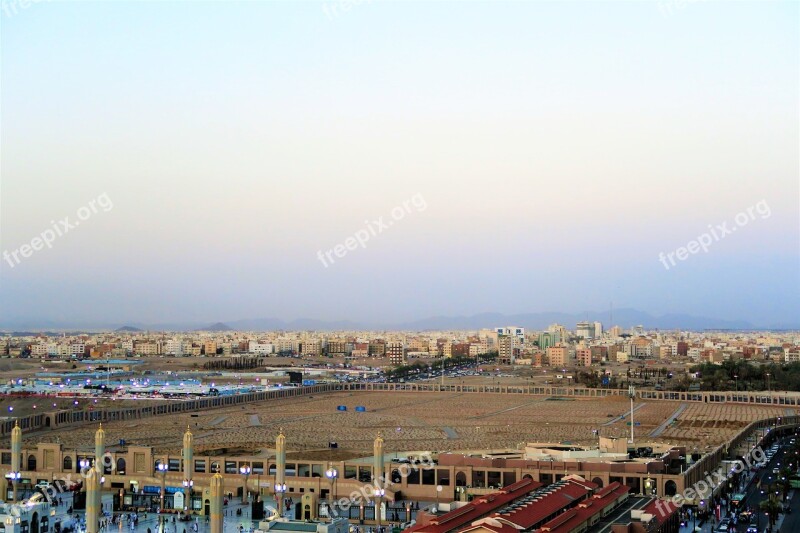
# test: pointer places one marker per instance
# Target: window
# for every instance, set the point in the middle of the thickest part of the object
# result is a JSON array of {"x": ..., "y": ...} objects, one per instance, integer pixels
[{"x": 200, "y": 465}]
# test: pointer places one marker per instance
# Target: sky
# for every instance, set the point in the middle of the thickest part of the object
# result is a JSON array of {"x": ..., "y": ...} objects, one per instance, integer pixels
[{"x": 395, "y": 160}]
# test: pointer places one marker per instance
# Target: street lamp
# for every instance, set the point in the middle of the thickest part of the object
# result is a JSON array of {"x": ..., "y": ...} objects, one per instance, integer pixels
[
  {"x": 331, "y": 473},
  {"x": 245, "y": 471},
  {"x": 188, "y": 484},
  {"x": 280, "y": 489},
  {"x": 14, "y": 478},
  {"x": 438, "y": 493},
  {"x": 379, "y": 492},
  {"x": 85, "y": 464},
  {"x": 162, "y": 468}
]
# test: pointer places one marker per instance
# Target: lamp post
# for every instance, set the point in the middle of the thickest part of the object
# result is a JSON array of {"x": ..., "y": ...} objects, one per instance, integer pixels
[
  {"x": 188, "y": 484},
  {"x": 245, "y": 471},
  {"x": 280, "y": 489},
  {"x": 379, "y": 492},
  {"x": 631, "y": 395},
  {"x": 162, "y": 468},
  {"x": 85, "y": 465},
  {"x": 14, "y": 478},
  {"x": 331, "y": 473},
  {"x": 438, "y": 493}
]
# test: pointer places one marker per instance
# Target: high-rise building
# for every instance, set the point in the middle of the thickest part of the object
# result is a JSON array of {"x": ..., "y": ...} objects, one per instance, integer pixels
[
  {"x": 516, "y": 331},
  {"x": 585, "y": 330},
  {"x": 396, "y": 352},
  {"x": 505, "y": 349},
  {"x": 598, "y": 330}
]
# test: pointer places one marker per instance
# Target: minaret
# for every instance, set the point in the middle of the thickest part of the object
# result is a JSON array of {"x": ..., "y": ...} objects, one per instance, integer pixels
[
  {"x": 188, "y": 460},
  {"x": 99, "y": 449},
  {"x": 378, "y": 465},
  {"x": 16, "y": 454},
  {"x": 280, "y": 468},
  {"x": 215, "y": 505},
  {"x": 92, "y": 500}
]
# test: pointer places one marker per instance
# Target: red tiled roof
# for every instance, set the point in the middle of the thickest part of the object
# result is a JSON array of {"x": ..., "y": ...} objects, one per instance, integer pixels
[
  {"x": 539, "y": 510},
  {"x": 585, "y": 511},
  {"x": 477, "y": 508},
  {"x": 661, "y": 509}
]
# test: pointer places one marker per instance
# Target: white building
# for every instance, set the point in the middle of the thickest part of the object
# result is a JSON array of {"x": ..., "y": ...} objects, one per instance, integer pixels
[
  {"x": 173, "y": 347},
  {"x": 516, "y": 331},
  {"x": 585, "y": 330},
  {"x": 260, "y": 348}
]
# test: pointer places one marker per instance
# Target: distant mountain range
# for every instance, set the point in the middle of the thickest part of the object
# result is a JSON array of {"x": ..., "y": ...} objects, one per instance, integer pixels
[{"x": 625, "y": 318}]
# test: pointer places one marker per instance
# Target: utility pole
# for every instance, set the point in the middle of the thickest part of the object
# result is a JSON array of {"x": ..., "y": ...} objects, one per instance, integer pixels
[{"x": 631, "y": 395}]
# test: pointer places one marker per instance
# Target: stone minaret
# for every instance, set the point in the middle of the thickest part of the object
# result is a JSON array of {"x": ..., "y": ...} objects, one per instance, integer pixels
[
  {"x": 16, "y": 454},
  {"x": 215, "y": 505},
  {"x": 378, "y": 465},
  {"x": 188, "y": 459},
  {"x": 92, "y": 500},
  {"x": 99, "y": 449}
]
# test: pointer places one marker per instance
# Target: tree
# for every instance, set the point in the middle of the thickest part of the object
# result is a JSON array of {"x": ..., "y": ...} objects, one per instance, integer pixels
[
  {"x": 772, "y": 507},
  {"x": 784, "y": 477}
]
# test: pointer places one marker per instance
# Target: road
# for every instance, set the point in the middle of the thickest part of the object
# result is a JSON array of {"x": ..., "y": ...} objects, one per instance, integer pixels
[{"x": 754, "y": 496}]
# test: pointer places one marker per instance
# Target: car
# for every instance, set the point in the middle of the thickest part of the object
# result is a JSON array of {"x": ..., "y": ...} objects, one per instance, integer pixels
[
  {"x": 752, "y": 529},
  {"x": 43, "y": 484}
]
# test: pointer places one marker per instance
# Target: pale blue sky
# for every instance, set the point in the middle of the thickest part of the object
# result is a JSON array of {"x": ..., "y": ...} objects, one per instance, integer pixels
[{"x": 559, "y": 146}]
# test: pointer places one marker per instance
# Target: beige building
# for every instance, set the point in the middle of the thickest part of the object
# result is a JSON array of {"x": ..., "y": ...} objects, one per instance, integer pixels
[{"x": 559, "y": 356}]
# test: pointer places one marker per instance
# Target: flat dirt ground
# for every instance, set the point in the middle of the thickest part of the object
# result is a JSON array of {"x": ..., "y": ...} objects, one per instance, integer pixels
[{"x": 422, "y": 421}]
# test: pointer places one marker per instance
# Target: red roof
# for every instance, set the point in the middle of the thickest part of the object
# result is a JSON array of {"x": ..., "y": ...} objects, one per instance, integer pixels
[
  {"x": 561, "y": 497},
  {"x": 477, "y": 508},
  {"x": 661, "y": 509},
  {"x": 585, "y": 510}
]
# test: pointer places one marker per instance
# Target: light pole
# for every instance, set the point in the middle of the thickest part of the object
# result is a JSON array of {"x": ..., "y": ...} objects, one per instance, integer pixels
[
  {"x": 379, "y": 492},
  {"x": 162, "y": 470},
  {"x": 438, "y": 493},
  {"x": 245, "y": 471},
  {"x": 631, "y": 395},
  {"x": 14, "y": 478},
  {"x": 187, "y": 489},
  {"x": 85, "y": 465},
  {"x": 736, "y": 379},
  {"x": 331, "y": 473},
  {"x": 280, "y": 489}
]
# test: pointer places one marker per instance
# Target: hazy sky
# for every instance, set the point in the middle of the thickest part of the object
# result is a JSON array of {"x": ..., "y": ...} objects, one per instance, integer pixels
[{"x": 556, "y": 147}]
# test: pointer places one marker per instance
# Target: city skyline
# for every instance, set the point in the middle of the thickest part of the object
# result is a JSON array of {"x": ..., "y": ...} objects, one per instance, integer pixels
[{"x": 389, "y": 162}]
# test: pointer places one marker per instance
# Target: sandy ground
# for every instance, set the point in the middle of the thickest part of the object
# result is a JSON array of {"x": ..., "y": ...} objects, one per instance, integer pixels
[{"x": 414, "y": 421}]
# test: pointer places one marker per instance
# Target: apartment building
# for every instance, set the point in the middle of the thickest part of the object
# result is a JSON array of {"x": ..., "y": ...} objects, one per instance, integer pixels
[
  {"x": 396, "y": 352},
  {"x": 559, "y": 356},
  {"x": 583, "y": 356},
  {"x": 377, "y": 348},
  {"x": 311, "y": 347}
]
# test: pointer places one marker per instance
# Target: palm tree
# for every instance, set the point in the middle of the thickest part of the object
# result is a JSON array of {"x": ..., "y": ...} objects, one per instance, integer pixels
[
  {"x": 784, "y": 481},
  {"x": 772, "y": 507}
]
